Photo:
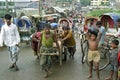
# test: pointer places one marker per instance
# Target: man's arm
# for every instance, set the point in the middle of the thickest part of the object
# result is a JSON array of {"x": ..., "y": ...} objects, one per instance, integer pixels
[{"x": 68, "y": 36}]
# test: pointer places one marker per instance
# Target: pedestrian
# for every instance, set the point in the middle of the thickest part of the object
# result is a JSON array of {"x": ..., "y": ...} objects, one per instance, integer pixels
[
  {"x": 113, "y": 60},
  {"x": 93, "y": 54},
  {"x": 35, "y": 42},
  {"x": 68, "y": 40},
  {"x": 10, "y": 36},
  {"x": 48, "y": 37}
]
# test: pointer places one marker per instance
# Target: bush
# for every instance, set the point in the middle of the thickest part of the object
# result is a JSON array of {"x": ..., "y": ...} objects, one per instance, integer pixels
[{"x": 97, "y": 13}]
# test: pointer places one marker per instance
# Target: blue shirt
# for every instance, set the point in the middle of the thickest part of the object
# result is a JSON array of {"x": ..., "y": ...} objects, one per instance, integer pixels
[{"x": 103, "y": 31}]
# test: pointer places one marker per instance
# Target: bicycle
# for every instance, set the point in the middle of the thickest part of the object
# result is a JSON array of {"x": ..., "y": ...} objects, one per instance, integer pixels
[{"x": 84, "y": 46}]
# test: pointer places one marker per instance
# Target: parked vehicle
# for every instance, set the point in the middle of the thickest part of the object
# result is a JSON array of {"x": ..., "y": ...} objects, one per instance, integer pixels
[
  {"x": 109, "y": 21},
  {"x": 24, "y": 24}
]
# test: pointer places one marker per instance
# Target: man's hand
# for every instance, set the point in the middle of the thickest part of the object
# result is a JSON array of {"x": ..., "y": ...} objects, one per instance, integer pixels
[{"x": 17, "y": 45}]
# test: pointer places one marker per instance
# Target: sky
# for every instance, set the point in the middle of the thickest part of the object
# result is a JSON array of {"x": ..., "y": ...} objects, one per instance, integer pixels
[{"x": 15, "y": 0}]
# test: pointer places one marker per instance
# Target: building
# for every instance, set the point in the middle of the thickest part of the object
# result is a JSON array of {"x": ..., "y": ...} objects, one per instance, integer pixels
[
  {"x": 99, "y": 2},
  {"x": 117, "y": 4},
  {"x": 64, "y": 3},
  {"x": 6, "y": 9}
]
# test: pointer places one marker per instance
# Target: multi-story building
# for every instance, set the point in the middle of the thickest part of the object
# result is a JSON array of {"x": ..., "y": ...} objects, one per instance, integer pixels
[
  {"x": 117, "y": 4},
  {"x": 99, "y": 2}
]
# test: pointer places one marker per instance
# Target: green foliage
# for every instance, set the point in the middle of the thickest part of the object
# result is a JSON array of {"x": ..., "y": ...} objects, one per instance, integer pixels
[{"x": 97, "y": 13}]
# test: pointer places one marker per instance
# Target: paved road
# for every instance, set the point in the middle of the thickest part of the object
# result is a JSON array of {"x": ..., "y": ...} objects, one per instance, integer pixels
[{"x": 30, "y": 68}]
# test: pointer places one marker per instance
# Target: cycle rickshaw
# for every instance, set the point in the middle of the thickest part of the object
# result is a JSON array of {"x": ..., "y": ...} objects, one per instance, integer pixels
[{"x": 24, "y": 25}]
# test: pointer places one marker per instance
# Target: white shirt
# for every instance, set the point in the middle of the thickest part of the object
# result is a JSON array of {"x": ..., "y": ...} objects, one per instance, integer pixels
[
  {"x": 9, "y": 35},
  {"x": 118, "y": 33}
]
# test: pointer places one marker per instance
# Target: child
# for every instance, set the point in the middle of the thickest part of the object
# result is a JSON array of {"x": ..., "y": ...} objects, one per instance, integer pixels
[
  {"x": 93, "y": 54},
  {"x": 113, "y": 60}
]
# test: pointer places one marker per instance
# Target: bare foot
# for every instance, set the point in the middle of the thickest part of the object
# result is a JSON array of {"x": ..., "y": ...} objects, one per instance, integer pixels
[
  {"x": 49, "y": 72},
  {"x": 89, "y": 76},
  {"x": 37, "y": 57},
  {"x": 46, "y": 75}
]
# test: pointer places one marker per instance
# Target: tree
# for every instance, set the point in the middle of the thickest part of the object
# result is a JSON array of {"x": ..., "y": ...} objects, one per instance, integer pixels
[{"x": 85, "y": 2}]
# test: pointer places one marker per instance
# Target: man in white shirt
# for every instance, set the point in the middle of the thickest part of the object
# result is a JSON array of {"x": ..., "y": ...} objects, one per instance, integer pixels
[{"x": 10, "y": 36}]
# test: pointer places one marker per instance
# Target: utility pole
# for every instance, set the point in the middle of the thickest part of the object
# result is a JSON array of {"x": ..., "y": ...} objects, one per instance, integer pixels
[
  {"x": 40, "y": 7},
  {"x": 6, "y": 3}
]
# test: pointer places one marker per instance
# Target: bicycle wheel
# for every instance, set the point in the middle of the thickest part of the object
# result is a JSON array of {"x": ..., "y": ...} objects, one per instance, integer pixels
[
  {"x": 65, "y": 52},
  {"x": 81, "y": 45},
  {"x": 104, "y": 58},
  {"x": 84, "y": 49}
]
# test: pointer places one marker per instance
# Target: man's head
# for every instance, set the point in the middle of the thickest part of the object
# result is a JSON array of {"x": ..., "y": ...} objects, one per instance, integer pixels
[
  {"x": 66, "y": 29},
  {"x": 8, "y": 19},
  {"x": 118, "y": 23},
  {"x": 93, "y": 35},
  {"x": 99, "y": 24},
  {"x": 47, "y": 28}
]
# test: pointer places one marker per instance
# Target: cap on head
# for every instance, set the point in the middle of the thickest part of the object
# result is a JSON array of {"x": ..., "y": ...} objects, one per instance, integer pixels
[{"x": 8, "y": 16}]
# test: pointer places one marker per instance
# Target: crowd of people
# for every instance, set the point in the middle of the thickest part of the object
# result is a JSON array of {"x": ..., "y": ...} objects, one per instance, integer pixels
[{"x": 42, "y": 42}]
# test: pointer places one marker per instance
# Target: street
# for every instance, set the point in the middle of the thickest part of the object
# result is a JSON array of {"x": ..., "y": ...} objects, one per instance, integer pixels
[{"x": 30, "y": 68}]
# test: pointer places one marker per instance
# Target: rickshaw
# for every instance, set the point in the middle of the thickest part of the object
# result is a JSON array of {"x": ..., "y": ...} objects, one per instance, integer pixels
[
  {"x": 90, "y": 21},
  {"x": 109, "y": 21},
  {"x": 24, "y": 25}
]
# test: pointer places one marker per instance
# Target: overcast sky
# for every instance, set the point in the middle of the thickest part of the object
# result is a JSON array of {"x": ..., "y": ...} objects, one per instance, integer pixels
[{"x": 15, "y": 0}]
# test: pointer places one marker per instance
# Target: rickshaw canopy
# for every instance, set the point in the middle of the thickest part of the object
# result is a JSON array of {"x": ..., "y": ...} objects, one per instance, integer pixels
[
  {"x": 25, "y": 20},
  {"x": 109, "y": 19}
]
